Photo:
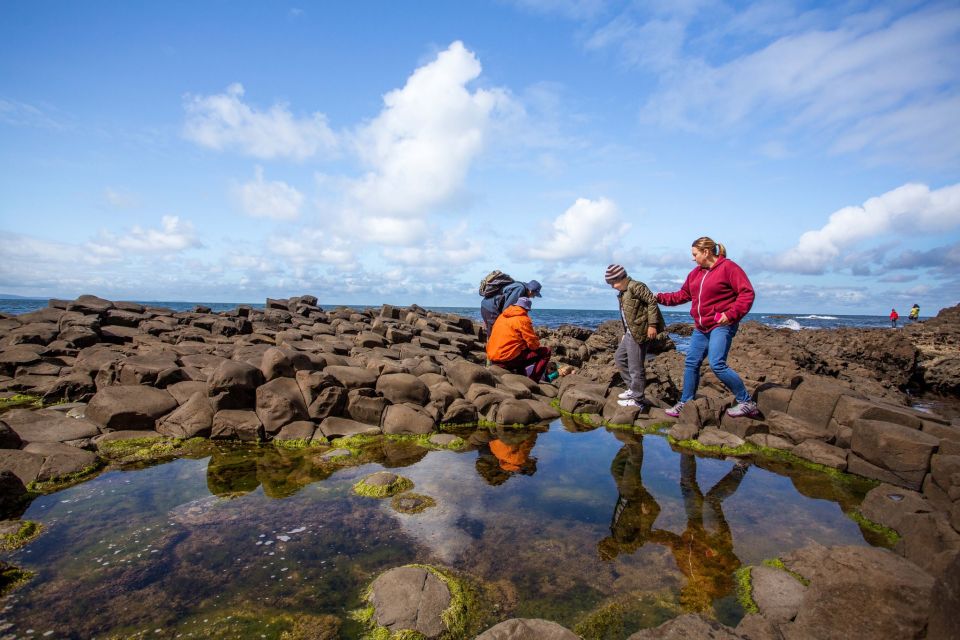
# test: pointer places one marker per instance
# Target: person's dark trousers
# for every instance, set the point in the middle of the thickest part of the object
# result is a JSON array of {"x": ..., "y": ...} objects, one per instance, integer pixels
[
  {"x": 630, "y": 356},
  {"x": 539, "y": 358}
]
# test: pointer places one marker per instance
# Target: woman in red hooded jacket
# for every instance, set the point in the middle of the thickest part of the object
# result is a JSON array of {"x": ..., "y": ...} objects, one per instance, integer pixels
[{"x": 720, "y": 295}]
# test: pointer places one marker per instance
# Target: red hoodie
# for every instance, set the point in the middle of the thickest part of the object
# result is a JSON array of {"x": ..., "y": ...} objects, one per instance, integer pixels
[{"x": 723, "y": 288}]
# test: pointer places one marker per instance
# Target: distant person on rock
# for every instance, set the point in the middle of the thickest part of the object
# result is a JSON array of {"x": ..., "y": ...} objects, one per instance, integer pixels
[
  {"x": 514, "y": 345},
  {"x": 914, "y": 313},
  {"x": 894, "y": 316},
  {"x": 641, "y": 321},
  {"x": 721, "y": 295},
  {"x": 500, "y": 291}
]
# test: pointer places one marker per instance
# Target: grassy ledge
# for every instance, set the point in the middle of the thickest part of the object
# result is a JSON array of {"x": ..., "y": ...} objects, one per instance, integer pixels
[
  {"x": 27, "y": 532},
  {"x": 301, "y": 443},
  {"x": 888, "y": 534},
  {"x": 777, "y": 563},
  {"x": 148, "y": 449},
  {"x": 21, "y": 400},
  {"x": 62, "y": 482},
  {"x": 745, "y": 590}
]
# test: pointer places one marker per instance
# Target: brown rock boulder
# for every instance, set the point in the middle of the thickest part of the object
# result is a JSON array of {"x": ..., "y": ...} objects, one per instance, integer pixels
[
  {"x": 279, "y": 402},
  {"x": 192, "y": 419},
  {"x": 527, "y": 629},
  {"x": 234, "y": 424},
  {"x": 46, "y": 425},
  {"x": 129, "y": 407},
  {"x": 406, "y": 418},
  {"x": 403, "y": 387},
  {"x": 903, "y": 451}
]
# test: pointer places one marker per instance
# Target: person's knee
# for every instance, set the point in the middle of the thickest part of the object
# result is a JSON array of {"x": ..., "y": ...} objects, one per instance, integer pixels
[{"x": 718, "y": 365}]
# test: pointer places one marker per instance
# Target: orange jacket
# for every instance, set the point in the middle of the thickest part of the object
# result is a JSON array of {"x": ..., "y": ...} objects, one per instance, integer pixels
[{"x": 512, "y": 334}]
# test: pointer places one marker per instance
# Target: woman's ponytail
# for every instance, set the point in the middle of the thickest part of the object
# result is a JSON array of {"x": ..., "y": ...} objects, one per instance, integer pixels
[{"x": 708, "y": 245}]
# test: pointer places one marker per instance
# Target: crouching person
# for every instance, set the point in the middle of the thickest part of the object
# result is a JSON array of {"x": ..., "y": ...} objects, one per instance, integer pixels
[{"x": 514, "y": 345}]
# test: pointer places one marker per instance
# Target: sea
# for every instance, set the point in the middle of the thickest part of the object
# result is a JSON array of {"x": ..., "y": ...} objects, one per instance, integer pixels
[{"x": 552, "y": 318}]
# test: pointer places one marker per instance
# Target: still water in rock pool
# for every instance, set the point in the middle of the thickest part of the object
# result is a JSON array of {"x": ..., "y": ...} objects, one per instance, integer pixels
[{"x": 605, "y": 532}]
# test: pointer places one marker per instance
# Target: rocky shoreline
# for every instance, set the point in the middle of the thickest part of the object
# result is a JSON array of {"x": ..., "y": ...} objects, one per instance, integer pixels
[{"x": 299, "y": 375}]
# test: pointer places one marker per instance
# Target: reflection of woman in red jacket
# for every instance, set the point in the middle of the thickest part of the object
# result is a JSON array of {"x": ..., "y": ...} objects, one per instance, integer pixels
[
  {"x": 514, "y": 345},
  {"x": 720, "y": 295}
]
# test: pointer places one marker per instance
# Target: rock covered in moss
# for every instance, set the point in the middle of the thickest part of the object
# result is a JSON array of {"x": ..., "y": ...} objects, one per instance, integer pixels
[
  {"x": 410, "y": 598},
  {"x": 382, "y": 484}
]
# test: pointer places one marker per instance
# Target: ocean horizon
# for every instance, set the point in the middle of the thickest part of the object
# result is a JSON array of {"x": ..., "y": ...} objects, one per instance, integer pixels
[{"x": 552, "y": 318}]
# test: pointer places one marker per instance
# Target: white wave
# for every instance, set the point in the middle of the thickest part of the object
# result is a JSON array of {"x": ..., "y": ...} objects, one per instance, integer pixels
[
  {"x": 815, "y": 317},
  {"x": 789, "y": 324}
]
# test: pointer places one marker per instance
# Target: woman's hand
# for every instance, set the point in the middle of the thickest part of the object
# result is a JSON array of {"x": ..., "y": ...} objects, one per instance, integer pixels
[{"x": 723, "y": 319}]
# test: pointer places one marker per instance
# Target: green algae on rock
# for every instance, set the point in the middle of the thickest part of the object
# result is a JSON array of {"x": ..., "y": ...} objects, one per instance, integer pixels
[
  {"x": 462, "y": 618},
  {"x": 745, "y": 590},
  {"x": 382, "y": 484},
  {"x": 151, "y": 449},
  {"x": 412, "y": 502},
  {"x": 21, "y": 400},
  {"x": 15, "y": 534},
  {"x": 12, "y": 577},
  {"x": 62, "y": 482}
]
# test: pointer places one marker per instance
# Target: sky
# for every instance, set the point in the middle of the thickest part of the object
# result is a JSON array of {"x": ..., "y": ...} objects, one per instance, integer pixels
[{"x": 388, "y": 152}]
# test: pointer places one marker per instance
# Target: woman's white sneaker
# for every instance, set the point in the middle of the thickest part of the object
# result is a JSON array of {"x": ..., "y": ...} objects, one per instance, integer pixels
[
  {"x": 674, "y": 411},
  {"x": 748, "y": 409}
]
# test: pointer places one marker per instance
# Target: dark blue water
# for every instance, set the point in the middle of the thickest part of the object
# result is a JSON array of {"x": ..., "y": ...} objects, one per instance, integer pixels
[{"x": 589, "y": 318}]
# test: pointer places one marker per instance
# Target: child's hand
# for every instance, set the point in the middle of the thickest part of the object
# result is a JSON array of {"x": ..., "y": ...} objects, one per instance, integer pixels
[{"x": 651, "y": 332}]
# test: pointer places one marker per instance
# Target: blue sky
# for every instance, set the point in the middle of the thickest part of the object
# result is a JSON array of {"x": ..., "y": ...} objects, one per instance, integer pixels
[{"x": 396, "y": 152}]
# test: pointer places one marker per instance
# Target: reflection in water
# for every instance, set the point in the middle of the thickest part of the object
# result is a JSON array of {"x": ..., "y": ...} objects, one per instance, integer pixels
[
  {"x": 152, "y": 548},
  {"x": 703, "y": 552},
  {"x": 504, "y": 455}
]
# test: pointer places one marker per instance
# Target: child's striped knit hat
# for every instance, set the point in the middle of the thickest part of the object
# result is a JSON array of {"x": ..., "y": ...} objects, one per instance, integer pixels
[{"x": 615, "y": 273}]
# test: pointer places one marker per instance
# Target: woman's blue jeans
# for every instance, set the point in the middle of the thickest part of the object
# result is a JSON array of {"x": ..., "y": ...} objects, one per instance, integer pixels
[{"x": 716, "y": 346}]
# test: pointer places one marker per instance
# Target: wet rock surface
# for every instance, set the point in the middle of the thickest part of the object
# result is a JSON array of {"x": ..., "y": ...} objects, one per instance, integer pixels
[
  {"x": 410, "y": 598},
  {"x": 296, "y": 372}
]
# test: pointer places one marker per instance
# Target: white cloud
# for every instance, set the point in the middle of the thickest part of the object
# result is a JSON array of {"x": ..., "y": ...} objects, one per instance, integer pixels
[
  {"x": 875, "y": 81},
  {"x": 456, "y": 247},
  {"x": 587, "y": 228},
  {"x": 422, "y": 143},
  {"x": 912, "y": 208},
  {"x": 172, "y": 237},
  {"x": 274, "y": 199},
  {"x": 120, "y": 199},
  {"x": 224, "y": 121}
]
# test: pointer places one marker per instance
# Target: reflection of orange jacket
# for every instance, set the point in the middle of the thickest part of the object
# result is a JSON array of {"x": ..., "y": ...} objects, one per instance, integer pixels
[
  {"x": 512, "y": 333},
  {"x": 511, "y": 457}
]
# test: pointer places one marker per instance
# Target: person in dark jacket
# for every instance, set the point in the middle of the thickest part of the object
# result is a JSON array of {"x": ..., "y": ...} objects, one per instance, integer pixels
[
  {"x": 641, "y": 321},
  {"x": 492, "y": 307},
  {"x": 721, "y": 295}
]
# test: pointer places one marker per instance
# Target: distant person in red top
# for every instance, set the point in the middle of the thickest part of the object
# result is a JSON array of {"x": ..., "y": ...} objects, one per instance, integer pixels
[
  {"x": 721, "y": 295},
  {"x": 894, "y": 316}
]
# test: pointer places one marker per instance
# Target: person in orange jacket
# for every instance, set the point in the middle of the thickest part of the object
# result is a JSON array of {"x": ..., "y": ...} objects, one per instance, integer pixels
[{"x": 514, "y": 345}]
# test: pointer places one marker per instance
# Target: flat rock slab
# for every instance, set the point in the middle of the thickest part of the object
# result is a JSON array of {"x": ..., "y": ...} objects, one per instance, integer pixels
[
  {"x": 127, "y": 434},
  {"x": 60, "y": 459},
  {"x": 344, "y": 427},
  {"x": 23, "y": 464},
  {"x": 777, "y": 593},
  {"x": 381, "y": 479},
  {"x": 858, "y": 592},
  {"x": 44, "y": 425},
  {"x": 687, "y": 627},
  {"x": 410, "y": 598},
  {"x": 129, "y": 407},
  {"x": 527, "y": 629}
]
